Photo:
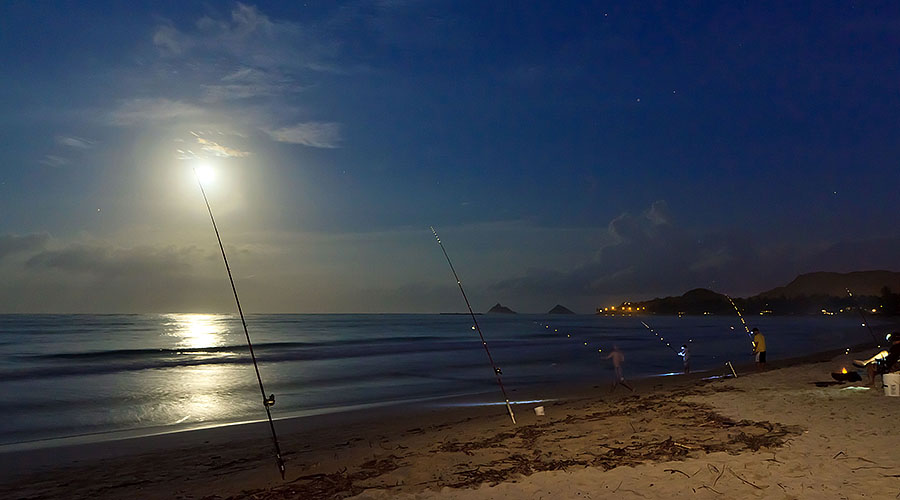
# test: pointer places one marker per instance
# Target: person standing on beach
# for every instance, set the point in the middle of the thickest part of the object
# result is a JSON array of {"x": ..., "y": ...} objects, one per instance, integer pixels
[
  {"x": 618, "y": 359},
  {"x": 759, "y": 348},
  {"x": 686, "y": 357}
]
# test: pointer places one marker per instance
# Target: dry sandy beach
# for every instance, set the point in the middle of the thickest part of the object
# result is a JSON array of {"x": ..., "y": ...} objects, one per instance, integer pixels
[{"x": 776, "y": 434}]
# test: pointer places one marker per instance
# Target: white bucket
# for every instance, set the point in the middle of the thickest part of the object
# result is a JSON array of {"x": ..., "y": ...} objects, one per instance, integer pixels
[
  {"x": 539, "y": 411},
  {"x": 891, "y": 383}
]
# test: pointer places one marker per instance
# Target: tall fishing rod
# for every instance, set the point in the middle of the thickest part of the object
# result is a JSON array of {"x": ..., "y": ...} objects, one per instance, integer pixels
[
  {"x": 863, "y": 316},
  {"x": 497, "y": 371},
  {"x": 267, "y": 401}
]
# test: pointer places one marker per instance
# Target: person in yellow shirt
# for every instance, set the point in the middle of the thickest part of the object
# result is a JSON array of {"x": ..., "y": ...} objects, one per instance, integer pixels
[{"x": 759, "y": 348}]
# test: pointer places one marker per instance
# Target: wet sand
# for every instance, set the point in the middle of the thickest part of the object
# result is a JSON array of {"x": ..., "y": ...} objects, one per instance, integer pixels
[{"x": 788, "y": 432}]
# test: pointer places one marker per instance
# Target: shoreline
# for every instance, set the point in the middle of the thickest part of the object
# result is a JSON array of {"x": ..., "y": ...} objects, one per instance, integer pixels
[
  {"x": 231, "y": 459},
  {"x": 520, "y": 397},
  {"x": 48, "y": 404}
]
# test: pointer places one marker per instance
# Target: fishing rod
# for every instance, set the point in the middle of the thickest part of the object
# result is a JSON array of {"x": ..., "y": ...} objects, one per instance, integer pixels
[
  {"x": 497, "y": 371},
  {"x": 863, "y": 316},
  {"x": 267, "y": 401}
]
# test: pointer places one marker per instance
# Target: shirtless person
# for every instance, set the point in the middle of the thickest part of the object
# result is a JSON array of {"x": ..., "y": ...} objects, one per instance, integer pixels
[{"x": 618, "y": 358}]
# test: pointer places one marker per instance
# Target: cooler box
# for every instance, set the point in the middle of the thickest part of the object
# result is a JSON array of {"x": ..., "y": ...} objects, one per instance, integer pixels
[{"x": 891, "y": 383}]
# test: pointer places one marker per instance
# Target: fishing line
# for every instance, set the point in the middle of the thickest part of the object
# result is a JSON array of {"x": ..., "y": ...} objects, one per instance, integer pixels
[
  {"x": 599, "y": 347},
  {"x": 738, "y": 311},
  {"x": 569, "y": 336},
  {"x": 863, "y": 316},
  {"x": 267, "y": 401},
  {"x": 497, "y": 371},
  {"x": 662, "y": 339},
  {"x": 747, "y": 328}
]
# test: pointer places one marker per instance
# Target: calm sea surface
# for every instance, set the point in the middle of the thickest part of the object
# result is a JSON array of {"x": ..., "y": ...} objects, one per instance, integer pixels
[{"x": 75, "y": 375}]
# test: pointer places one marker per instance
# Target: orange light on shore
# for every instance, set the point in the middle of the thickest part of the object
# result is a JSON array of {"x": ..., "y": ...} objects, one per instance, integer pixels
[{"x": 843, "y": 370}]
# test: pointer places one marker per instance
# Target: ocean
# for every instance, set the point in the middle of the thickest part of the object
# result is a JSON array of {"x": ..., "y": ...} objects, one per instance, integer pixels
[{"x": 102, "y": 376}]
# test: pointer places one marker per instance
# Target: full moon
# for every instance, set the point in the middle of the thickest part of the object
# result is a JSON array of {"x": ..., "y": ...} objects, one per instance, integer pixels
[{"x": 205, "y": 173}]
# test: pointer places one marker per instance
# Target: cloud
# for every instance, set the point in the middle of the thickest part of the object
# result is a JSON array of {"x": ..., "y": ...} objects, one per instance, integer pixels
[
  {"x": 53, "y": 161},
  {"x": 651, "y": 255},
  {"x": 856, "y": 255},
  {"x": 11, "y": 243},
  {"x": 168, "y": 39},
  {"x": 208, "y": 147},
  {"x": 312, "y": 134},
  {"x": 239, "y": 69},
  {"x": 249, "y": 37},
  {"x": 246, "y": 83},
  {"x": 152, "y": 110},
  {"x": 75, "y": 142},
  {"x": 72, "y": 143},
  {"x": 105, "y": 277},
  {"x": 627, "y": 227},
  {"x": 219, "y": 150},
  {"x": 187, "y": 155},
  {"x": 112, "y": 262}
]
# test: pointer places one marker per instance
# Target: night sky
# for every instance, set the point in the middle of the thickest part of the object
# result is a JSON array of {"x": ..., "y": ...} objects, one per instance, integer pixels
[{"x": 579, "y": 153}]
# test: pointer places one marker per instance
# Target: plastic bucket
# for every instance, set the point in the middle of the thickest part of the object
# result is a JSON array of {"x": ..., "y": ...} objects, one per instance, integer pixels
[
  {"x": 891, "y": 383},
  {"x": 539, "y": 411}
]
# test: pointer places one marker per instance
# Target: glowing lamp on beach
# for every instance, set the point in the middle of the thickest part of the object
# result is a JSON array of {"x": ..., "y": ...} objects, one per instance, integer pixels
[{"x": 843, "y": 370}]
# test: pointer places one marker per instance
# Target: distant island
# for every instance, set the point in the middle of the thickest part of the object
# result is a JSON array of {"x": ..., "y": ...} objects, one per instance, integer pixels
[
  {"x": 811, "y": 293},
  {"x": 499, "y": 309},
  {"x": 559, "y": 309}
]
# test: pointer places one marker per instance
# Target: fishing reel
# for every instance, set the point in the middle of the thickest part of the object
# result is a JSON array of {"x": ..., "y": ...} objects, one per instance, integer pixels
[
  {"x": 498, "y": 371},
  {"x": 269, "y": 401}
]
